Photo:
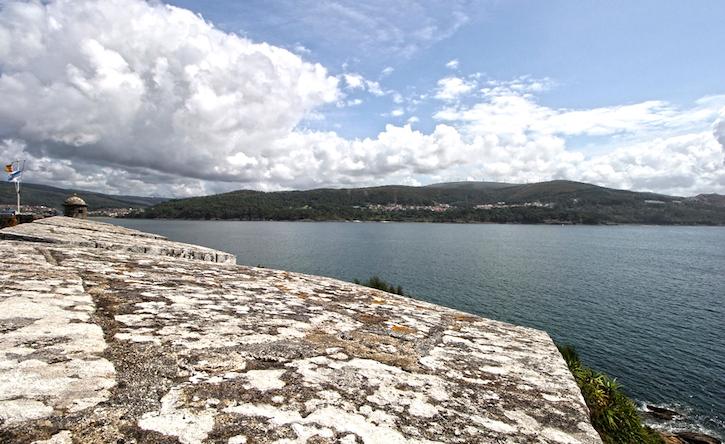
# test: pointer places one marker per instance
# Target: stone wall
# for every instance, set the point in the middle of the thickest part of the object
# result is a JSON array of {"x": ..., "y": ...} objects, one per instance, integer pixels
[
  {"x": 85, "y": 233},
  {"x": 105, "y": 340}
]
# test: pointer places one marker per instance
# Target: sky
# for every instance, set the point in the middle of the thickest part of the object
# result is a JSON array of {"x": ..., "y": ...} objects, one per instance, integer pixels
[{"x": 195, "y": 97}]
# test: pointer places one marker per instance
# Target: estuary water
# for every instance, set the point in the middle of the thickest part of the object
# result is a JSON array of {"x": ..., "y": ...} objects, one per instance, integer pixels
[{"x": 643, "y": 304}]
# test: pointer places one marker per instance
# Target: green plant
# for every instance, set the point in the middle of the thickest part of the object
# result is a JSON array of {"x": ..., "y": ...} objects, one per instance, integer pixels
[
  {"x": 612, "y": 413},
  {"x": 379, "y": 284}
]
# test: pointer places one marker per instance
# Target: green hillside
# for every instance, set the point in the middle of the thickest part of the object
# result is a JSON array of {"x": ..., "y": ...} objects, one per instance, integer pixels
[
  {"x": 563, "y": 190},
  {"x": 546, "y": 202},
  {"x": 471, "y": 185},
  {"x": 34, "y": 194}
]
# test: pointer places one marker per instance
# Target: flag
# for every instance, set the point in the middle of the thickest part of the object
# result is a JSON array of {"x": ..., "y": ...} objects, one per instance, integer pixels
[
  {"x": 15, "y": 176},
  {"x": 15, "y": 170}
]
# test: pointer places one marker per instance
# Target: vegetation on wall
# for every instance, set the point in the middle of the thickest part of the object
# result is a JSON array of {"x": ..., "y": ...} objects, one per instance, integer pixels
[
  {"x": 379, "y": 284},
  {"x": 612, "y": 413}
]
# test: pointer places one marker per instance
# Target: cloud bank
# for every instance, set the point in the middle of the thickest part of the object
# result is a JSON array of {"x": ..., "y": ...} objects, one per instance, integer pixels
[
  {"x": 135, "y": 97},
  {"x": 128, "y": 84}
]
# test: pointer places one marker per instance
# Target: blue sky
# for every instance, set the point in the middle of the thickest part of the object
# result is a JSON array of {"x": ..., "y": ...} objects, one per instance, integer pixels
[
  {"x": 598, "y": 53},
  {"x": 196, "y": 97}
]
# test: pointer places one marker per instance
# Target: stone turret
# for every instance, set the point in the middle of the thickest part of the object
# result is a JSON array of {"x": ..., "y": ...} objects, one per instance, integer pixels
[{"x": 76, "y": 207}]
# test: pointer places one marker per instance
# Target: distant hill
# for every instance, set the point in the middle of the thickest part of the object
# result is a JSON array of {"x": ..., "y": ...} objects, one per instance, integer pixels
[
  {"x": 35, "y": 194},
  {"x": 557, "y": 201},
  {"x": 471, "y": 185},
  {"x": 710, "y": 199},
  {"x": 558, "y": 190}
]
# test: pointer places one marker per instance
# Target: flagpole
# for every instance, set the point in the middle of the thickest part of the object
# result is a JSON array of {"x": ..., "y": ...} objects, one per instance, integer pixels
[
  {"x": 17, "y": 183},
  {"x": 17, "y": 191}
]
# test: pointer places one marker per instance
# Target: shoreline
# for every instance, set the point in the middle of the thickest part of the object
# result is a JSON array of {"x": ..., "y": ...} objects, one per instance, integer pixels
[
  {"x": 681, "y": 423},
  {"x": 628, "y": 224}
]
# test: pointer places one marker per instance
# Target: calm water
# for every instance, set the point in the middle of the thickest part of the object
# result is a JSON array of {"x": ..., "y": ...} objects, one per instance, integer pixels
[{"x": 643, "y": 304}]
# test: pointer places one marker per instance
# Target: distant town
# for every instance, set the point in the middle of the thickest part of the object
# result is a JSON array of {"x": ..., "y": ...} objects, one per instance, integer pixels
[{"x": 442, "y": 207}]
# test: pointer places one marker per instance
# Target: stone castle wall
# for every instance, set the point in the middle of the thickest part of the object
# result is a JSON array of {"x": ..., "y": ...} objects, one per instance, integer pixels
[{"x": 109, "y": 334}]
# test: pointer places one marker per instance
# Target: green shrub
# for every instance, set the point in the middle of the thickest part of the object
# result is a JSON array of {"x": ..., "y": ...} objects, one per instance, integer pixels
[
  {"x": 612, "y": 413},
  {"x": 379, "y": 284}
]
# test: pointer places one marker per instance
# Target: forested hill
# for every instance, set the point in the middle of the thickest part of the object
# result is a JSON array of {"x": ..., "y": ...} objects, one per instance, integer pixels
[
  {"x": 546, "y": 202},
  {"x": 34, "y": 194}
]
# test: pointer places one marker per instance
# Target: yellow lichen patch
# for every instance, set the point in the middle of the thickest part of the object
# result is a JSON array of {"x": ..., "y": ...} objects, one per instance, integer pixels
[
  {"x": 97, "y": 289},
  {"x": 402, "y": 329},
  {"x": 382, "y": 348},
  {"x": 377, "y": 301}
]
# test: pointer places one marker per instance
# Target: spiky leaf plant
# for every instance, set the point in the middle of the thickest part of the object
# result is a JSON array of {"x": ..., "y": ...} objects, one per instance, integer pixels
[{"x": 612, "y": 413}]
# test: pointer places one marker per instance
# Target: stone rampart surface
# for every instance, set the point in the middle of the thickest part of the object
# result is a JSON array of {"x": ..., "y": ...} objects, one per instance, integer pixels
[
  {"x": 115, "y": 345},
  {"x": 88, "y": 233}
]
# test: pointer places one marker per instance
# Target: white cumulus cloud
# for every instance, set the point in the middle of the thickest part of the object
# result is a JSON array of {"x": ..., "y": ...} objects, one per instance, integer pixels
[
  {"x": 451, "y": 88},
  {"x": 719, "y": 130},
  {"x": 355, "y": 81},
  {"x": 132, "y": 84},
  {"x": 653, "y": 145}
]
